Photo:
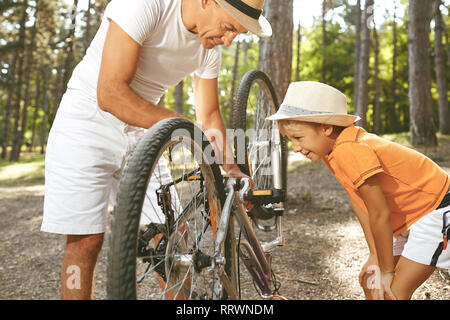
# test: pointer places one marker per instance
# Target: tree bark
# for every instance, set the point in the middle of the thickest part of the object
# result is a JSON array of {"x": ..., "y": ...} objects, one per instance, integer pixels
[
  {"x": 87, "y": 31},
  {"x": 422, "y": 127},
  {"x": 45, "y": 108},
  {"x": 299, "y": 43},
  {"x": 68, "y": 62},
  {"x": 37, "y": 99},
  {"x": 20, "y": 72},
  {"x": 275, "y": 53},
  {"x": 18, "y": 139},
  {"x": 392, "y": 115},
  {"x": 8, "y": 110},
  {"x": 363, "y": 77},
  {"x": 441, "y": 77},
  {"x": 376, "y": 105},
  {"x": 357, "y": 52},
  {"x": 324, "y": 40}
]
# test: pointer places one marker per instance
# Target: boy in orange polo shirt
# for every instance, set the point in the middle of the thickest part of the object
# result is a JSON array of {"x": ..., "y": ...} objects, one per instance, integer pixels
[{"x": 400, "y": 196}]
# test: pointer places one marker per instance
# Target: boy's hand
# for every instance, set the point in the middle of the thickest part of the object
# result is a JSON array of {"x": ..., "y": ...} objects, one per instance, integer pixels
[
  {"x": 371, "y": 261},
  {"x": 386, "y": 291}
]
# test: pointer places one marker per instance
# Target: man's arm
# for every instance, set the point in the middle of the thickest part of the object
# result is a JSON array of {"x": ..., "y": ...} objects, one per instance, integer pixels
[
  {"x": 208, "y": 115},
  {"x": 114, "y": 94}
]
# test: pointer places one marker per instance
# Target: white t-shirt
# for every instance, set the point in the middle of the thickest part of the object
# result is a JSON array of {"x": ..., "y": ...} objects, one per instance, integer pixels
[{"x": 169, "y": 51}]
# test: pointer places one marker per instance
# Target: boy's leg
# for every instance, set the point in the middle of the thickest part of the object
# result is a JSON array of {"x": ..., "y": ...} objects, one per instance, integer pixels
[
  {"x": 409, "y": 275},
  {"x": 78, "y": 267}
]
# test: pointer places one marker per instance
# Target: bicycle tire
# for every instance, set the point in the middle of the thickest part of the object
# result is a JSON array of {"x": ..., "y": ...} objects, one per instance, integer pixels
[
  {"x": 243, "y": 119},
  {"x": 124, "y": 235}
]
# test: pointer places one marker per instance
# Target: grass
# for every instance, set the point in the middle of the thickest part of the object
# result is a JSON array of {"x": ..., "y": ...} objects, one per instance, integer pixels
[{"x": 28, "y": 171}]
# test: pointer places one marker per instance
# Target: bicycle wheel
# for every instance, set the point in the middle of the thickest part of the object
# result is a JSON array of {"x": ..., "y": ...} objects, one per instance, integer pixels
[
  {"x": 166, "y": 251},
  {"x": 264, "y": 157}
]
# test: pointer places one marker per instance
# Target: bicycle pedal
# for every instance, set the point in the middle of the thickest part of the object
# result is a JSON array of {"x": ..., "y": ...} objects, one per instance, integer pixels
[{"x": 265, "y": 196}]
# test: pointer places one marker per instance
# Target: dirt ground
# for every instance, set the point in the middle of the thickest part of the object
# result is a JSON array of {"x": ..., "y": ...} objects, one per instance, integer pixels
[{"x": 323, "y": 252}]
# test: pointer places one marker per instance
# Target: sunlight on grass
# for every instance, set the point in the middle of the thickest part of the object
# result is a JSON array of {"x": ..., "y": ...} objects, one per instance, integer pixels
[{"x": 29, "y": 170}]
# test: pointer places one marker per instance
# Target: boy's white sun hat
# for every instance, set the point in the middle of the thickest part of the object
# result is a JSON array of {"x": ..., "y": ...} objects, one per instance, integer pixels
[
  {"x": 312, "y": 101},
  {"x": 249, "y": 14}
]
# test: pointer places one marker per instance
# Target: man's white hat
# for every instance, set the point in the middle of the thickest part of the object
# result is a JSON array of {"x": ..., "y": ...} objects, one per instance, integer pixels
[
  {"x": 249, "y": 14},
  {"x": 312, "y": 101}
]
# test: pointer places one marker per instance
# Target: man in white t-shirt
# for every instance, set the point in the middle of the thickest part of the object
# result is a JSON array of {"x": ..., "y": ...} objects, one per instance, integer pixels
[{"x": 142, "y": 48}]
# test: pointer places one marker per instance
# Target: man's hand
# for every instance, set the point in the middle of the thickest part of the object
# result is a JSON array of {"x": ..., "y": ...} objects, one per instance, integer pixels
[{"x": 233, "y": 171}]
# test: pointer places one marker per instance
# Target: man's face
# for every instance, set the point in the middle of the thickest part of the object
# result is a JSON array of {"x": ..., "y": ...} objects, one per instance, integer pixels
[{"x": 217, "y": 27}]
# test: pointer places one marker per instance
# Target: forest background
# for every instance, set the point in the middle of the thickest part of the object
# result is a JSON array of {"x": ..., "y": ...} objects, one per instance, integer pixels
[{"x": 390, "y": 58}]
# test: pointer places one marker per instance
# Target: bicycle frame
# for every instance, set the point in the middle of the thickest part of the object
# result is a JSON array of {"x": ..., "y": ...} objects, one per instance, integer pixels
[{"x": 257, "y": 260}]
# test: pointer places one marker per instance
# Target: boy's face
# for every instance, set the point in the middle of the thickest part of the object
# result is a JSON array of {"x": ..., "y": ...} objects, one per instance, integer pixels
[{"x": 312, "y": 140}]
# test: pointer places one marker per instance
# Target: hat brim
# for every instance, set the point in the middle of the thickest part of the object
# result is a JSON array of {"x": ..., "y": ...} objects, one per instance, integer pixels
[
  {"x": 343, "y": 120},
  {"x": 260, "y": 27}
]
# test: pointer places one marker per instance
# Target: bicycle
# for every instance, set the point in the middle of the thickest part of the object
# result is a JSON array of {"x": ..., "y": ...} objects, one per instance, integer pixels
[{"x": 190, "y": 244}]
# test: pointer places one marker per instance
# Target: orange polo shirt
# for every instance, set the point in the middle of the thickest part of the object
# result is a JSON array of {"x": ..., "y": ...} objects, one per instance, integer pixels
[{"x": 413, "y": 184}]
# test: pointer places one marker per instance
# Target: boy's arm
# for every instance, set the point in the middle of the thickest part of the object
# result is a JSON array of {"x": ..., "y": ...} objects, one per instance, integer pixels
[
  {"x": 379, "y": 222},
  {"x": 365, "y": 224}
]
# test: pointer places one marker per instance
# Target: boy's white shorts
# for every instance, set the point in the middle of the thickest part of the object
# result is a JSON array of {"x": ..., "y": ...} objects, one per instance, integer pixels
[
  {"x": 86, "y": 152},
  {"x": 420, "y": 242}
]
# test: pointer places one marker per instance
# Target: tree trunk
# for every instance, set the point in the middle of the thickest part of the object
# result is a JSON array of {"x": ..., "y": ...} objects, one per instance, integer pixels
[
  {"x": 45, "y": 108},
  {"x": 37, "y": 99},
  {"x": 8, "y": 110},
  {"x": 392, "y": 115},
  {"x": 363, "y": 78},
  {"x": 275, "y": 53},
  {"x": 178, "y": 97},
  {"x": 87, "y": 31},
  {"x": 421, "y": 122},
  {"x": 324, "y": 40},
  {"x": 68, "y": 62},
  {"x": 18, "y": 140},
  {"x": 299, "y": 43},
  {"x": 441, "y": 78},
  {"x": 18, "y": 88},
  {"x": 357, "y": 52},
  {"x": 376, "y": 105}
]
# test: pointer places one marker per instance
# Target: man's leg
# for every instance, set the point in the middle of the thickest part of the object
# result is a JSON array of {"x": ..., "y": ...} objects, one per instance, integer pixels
[{"x": 78, "y": 267}]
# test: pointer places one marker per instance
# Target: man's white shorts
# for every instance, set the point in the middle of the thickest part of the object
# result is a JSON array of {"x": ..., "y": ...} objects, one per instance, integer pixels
[
  {"x": 86, "y": 152},
  {"x": 420, "y": 242}
]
